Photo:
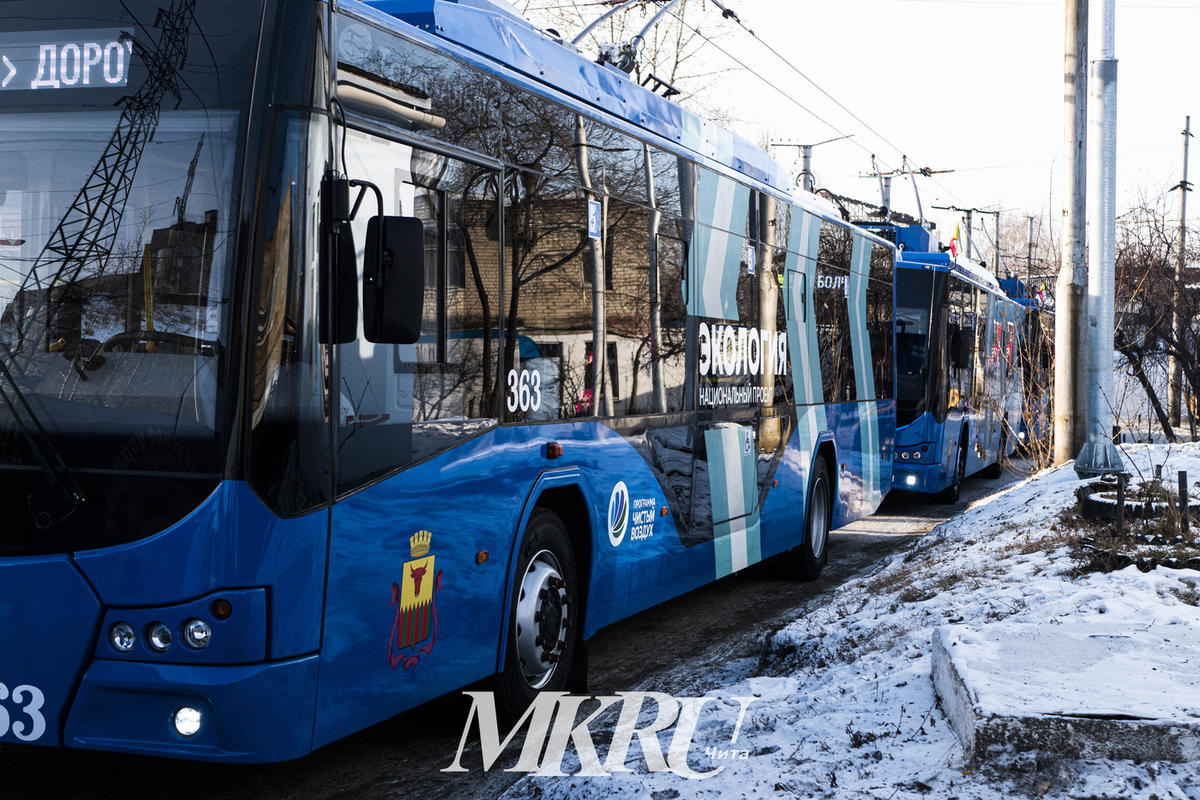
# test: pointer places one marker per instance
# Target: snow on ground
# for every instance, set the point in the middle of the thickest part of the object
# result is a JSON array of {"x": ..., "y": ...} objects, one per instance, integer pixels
[{"x": 845, "y": 705}]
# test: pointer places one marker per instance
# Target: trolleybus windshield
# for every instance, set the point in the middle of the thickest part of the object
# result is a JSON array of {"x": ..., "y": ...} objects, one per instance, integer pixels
[
  {"x": 119, "y": 159},
  {"x": 914, "y": 303}
]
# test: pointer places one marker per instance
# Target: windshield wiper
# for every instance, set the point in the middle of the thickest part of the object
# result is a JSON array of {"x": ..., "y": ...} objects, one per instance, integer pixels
[{"x": 44, "y": 452}]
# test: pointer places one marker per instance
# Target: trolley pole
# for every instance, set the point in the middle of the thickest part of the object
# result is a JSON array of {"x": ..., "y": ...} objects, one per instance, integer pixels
[
  {"x": 1070, "y": 330},
  {"x": 806, "y": 150},
  {"x": 1098, "y": 455},
  {"x": 1174, "y": 374}
]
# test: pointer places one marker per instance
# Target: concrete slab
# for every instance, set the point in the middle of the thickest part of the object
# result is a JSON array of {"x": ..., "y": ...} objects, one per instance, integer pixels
[{"x": 1081, "y": 690}]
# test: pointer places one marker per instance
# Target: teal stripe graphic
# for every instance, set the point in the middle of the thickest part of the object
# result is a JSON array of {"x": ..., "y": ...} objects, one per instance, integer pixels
[
  {"x": 722, "y": 208},
  {"x": 864, "y": 377},
  {"x": 734, "y": 487},
  {"x": 804, "y": 237}
]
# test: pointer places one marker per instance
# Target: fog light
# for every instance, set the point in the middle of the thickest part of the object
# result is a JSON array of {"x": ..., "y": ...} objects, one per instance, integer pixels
[
  {"x": 196, "y": 634},
  {"x": 122, "y": 637},
  {"x": 187, "y": 721},
  {"x": 911, "y": 480},
  {"x": 159, "y": 636}
]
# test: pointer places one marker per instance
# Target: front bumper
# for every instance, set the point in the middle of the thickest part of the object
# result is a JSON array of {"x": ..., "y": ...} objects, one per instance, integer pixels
[{"x": 255, "y": 713}]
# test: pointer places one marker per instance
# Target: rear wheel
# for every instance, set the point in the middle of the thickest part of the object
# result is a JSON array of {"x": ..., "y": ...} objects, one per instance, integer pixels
[
  {"x": 813, "y": 553},
  {"x": 544, "y": 613}
]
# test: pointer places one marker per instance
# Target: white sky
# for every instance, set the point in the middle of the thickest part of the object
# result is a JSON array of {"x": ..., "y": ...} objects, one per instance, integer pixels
[{"x": 970, "y": 85}]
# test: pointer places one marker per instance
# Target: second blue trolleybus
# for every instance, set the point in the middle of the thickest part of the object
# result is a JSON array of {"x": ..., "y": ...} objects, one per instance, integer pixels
[{"x": 961, "y": 368}]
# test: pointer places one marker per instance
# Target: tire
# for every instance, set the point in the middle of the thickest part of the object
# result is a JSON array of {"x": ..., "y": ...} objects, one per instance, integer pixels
[
  {"x": 809, "y": 559},
  {"x": 544, "y": 605},
  {"x": 951, "y": 493}
]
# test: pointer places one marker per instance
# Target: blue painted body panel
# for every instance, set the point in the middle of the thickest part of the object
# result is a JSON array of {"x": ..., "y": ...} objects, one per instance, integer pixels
[
  {"x": 48, "y": 618},
  {"x": 253, "y": 713},
  {"x": 117, "y": 701},
  {"x": 370, "y": 545},
  {"x": 231, "y": 541},
  {"x": 241, "y": 639}
]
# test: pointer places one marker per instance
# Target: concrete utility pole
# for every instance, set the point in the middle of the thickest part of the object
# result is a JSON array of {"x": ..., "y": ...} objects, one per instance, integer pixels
[
  {"x": 1174, "y": 374},
  {"x": 1099, "y": 455},
  {"x": 1070, "y": 329}
]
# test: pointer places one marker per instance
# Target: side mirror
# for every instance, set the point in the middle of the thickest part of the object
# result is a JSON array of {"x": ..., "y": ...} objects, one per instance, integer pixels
[
  {"x": 394, "y": 280},
  {"x": 960, "y": 348},
  {"x": 965, "y": 340}
]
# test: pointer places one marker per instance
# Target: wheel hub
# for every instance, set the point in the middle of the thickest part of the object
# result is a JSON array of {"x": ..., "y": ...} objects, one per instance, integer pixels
[
  {"x": 543, "y": 617},
  {"x": 817, "y": 520}
]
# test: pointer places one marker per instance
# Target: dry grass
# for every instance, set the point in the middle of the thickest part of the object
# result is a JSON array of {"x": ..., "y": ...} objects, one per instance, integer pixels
[
  {"x": 1189, "y": 595},
  {"x": 1097, "y": 547}
]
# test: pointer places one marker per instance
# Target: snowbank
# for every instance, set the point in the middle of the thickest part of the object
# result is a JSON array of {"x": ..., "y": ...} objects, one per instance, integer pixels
[{"x": 846, "y": 707}]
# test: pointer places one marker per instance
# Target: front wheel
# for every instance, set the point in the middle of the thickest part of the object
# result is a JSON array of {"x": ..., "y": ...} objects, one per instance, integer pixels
[
  {"x": 544, "y": 616},
  {"x": 809, "y": 559},
  {"x": 951, "y": 493}
]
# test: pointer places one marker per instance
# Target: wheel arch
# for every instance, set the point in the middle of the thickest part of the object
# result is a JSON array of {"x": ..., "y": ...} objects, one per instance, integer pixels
[
  {"x": 565, "y": 492},
  {"x": 827, "y": 449}
]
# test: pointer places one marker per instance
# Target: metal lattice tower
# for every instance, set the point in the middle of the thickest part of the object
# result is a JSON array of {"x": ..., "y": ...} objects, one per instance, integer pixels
[{"x": 82, "y": 242}]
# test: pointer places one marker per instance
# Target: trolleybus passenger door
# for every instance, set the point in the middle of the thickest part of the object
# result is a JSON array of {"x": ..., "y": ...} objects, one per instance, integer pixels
[{"x": 410, "y": 610}]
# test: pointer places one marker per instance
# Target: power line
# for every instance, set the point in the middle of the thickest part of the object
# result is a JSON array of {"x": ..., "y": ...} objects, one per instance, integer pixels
[
  {"x": 729, "y": 14},
  {"x": 767, "y": 81},
  {"x": 1127, "y": 6}
]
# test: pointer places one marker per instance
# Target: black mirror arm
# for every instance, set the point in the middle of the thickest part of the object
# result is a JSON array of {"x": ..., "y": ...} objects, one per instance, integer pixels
[{"x": 362, "y": 190}]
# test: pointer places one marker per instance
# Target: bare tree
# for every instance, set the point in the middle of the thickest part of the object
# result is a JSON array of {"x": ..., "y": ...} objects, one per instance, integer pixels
[
  {"x": 671, "y": 51},
  {"x": 1147, "y": 291}
]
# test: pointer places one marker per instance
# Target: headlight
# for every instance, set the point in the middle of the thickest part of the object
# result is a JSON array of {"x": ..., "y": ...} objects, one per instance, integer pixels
[
  {"x": 159, "y": 637},
  {"x": 197, "y": 634},
  {"x": 122, "y": 636},
  {"x": 904, "y": 455}
]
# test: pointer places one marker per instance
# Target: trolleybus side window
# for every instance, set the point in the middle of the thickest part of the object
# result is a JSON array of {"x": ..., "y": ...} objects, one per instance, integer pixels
[
  {"x": 832, "y": 314},
  {"x": 961, "y": 337},
  {"x": 879, "y": 319},
  {"x": 397, "y": 404},
  {"x": 547, "y": 300},
  {"x": 289, "y": 461}
]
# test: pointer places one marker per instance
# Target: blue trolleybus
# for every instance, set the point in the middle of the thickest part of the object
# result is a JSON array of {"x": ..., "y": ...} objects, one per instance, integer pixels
[
  {"x": 353, "y": 355},
  {"x": 960, "y": 369}
]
